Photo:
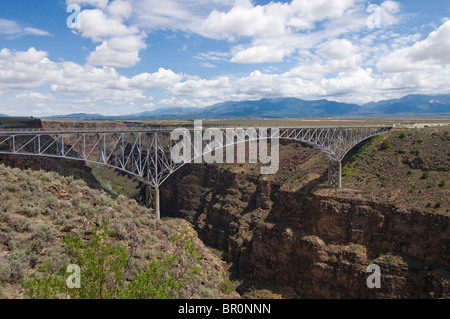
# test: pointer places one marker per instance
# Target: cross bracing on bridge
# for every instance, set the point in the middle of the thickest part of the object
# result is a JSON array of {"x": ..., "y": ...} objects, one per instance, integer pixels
[{"x": 147, "y": 153}]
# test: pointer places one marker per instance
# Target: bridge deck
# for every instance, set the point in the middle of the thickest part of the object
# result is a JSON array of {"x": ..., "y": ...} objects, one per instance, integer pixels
[{"x": 43, "y": 131}]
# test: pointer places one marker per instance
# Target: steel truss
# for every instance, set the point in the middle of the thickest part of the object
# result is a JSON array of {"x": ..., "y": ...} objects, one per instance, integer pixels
[{"x": 147, "y": 155}]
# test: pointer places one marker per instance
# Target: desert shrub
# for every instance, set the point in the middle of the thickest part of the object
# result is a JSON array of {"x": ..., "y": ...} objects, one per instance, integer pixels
[
  {"x": 85, "y": 190},
  {"x": 227, "y": 286},
  {"x": 44, "y": 176},
  {"x": 5, "y": 196},
  {"x": 155, "y": 224},
  {"x": 442, "y": 183},
  {"x": 425, "y": 175},
  {"x": 12, "y": 187},
  {"x": 42, "y": 237},
  {"x": 103, "y": 200},
  {"x": 78, "y": 183},
  {"x": 30, "y": 211},
  {"x": 104, "y": 267},
  {"x": 119, "y": 231},
  {"x": 18, "y": 224},
  {"x": 4, "y": 271},
  {"x": 86, "y": 210},
  {"x": 6, "y": 206},
  {"x": 128, "y": 213},
  {"x": 386, "y": 144},
  {"x": 76, "y": 200},
  {"x": 27, "y": 195},
  {"x": 49, "y": 199},
  {"x": 56, "y": 260},
  {"x": 18, "y": 262},
  {"x": 299, "y": 175},
  {"x": 149, "y": 238},
  {"x": 102, "y": 274},
  {"x": 69, "y": 179},
  {"x": 122, "y": 199},
  {"x": 143, "y": 221},
  {"x": 65, "y": 219},
  {"x": 166, "y": 229},
  {"x": 36, "y": 186},
  {"x": 47, "y": 211},
  {"x": 208, "y": 293},
  {"x": 141, "y": 210}
]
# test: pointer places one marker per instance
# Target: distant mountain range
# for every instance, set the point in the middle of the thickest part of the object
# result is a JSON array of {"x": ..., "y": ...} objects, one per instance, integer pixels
[{"x": 411, "y": 105}]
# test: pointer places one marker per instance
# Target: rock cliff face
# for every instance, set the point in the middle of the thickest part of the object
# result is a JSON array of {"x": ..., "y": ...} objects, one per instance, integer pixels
[
  {"x": 19, "y": 122},
  {"x": 48, "y": 124},
  {"x": 316, "y": 241}
]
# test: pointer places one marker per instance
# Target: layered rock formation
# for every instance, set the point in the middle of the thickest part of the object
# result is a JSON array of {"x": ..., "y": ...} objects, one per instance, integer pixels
[{"x": 317, "y": 241}]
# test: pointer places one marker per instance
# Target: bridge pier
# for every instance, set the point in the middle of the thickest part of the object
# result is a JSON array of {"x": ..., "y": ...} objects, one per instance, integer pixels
[
  {"x": 153, "y": 195},
  {"x": 335, "y": 174}
]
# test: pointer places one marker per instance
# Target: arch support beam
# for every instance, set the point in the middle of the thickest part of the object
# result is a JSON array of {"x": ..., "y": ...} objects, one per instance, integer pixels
[
  {"x": 335, "y": 174},
  {"x": 153, "y": 200}
]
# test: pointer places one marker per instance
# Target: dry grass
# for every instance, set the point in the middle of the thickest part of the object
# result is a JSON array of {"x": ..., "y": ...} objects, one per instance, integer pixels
[
  {"x": 37, "y": 209},
  {"x": 411, "y": 173}
]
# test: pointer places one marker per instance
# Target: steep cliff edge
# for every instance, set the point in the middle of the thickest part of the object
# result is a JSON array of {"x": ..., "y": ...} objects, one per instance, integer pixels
[{"x": 291, "y": 229}]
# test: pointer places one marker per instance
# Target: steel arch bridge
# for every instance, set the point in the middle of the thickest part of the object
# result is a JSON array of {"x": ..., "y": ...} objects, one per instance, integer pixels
[{"x": 147, "y": 153}]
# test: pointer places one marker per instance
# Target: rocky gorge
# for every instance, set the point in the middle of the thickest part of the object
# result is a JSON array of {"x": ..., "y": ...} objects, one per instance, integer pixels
[{"x": 317, "y": 241}]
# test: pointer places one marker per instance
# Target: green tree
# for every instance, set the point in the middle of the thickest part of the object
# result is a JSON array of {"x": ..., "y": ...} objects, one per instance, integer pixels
[
  {"x": 154, "y": 282},
  {"x": 104, "y": 266}
]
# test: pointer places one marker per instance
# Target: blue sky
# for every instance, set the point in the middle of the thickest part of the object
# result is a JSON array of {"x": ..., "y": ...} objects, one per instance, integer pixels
[{"x": 130, "y": 56}]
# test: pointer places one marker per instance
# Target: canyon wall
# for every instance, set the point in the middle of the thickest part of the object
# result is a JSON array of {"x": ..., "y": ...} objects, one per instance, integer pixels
[{"x": 315, "y": 241}]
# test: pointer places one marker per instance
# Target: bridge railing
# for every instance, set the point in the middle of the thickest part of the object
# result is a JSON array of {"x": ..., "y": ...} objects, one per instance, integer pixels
[
  {"x": 140, "y": 129},
  {"x": 87, "y": 130}
]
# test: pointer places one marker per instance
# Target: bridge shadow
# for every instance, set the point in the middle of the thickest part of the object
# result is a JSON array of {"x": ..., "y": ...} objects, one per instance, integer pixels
[{"x": 348, "y": 158}]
